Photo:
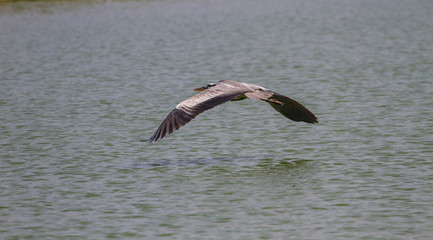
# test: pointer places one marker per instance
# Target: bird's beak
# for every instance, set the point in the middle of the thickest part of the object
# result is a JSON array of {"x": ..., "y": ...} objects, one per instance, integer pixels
[{"x": 200, "y": 89}]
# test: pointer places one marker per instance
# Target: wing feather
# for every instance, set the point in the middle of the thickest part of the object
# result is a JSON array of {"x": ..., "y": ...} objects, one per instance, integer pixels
[{"x": 188, "y": 109}]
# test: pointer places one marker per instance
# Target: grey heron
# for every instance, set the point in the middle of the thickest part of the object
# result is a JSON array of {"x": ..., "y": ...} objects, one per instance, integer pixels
[{"x": 213, "y": 95}]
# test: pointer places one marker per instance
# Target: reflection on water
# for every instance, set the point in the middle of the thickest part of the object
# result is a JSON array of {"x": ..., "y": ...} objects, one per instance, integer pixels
[
  {"x": 268, "y": 163},
  {"x": 82, "y": 81}
]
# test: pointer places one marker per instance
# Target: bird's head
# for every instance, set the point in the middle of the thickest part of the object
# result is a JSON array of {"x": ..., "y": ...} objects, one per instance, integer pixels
[{"x": 205, "y": 87}]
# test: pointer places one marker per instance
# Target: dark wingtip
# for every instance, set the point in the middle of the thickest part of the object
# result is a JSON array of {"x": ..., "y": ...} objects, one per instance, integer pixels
[
  {"x": 291, "y": 109},
  {"x": 313, "y": 120},
  {"x": 146, "y": 140}
]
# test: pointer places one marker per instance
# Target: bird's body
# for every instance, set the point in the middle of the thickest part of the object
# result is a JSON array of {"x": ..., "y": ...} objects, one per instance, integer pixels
[{"x": 227, "y": 90}]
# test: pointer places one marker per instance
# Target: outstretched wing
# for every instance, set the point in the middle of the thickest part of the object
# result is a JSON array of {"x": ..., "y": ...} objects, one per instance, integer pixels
[
  {"x": 188, "y": 109},
  {"x": 291, "y": 109}
]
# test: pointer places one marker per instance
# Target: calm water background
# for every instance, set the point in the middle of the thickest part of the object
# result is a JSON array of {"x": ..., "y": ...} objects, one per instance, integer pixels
[{"x": 82, "y": 82}]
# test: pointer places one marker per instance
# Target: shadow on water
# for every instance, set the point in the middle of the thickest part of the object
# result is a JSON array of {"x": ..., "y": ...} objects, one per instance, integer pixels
[
  {"x": 245, "y": 163},
  {"x": 269, "y": 171}
]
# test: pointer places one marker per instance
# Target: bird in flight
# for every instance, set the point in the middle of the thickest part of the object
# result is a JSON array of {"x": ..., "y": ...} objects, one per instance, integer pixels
[{"x": 213, "y": 95}]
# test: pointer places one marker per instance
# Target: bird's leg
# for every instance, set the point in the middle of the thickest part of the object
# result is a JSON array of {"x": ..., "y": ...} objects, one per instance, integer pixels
[{"x": 274, "y": 101}]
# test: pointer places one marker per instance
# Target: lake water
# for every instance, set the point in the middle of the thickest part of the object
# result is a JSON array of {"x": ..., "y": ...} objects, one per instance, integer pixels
[{"x": 82, "y": 82}]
